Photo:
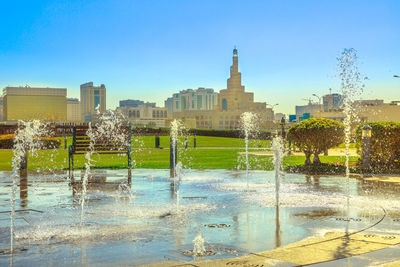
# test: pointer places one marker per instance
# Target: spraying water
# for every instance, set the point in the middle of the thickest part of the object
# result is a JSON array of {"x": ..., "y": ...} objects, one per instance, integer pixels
[
  {"x": 178, "y": 177},
  {"x": 27, "y": 138},
  {"x": 249, "y": 127},
  {"x": 88, "y": 155},
  {"x": 278, "y": 146},
  {"x": 109, "y": 127},
  {"x": 351, "y": 87},
  {"x": 198, "y": 245},
  {"x": 176, "y": 129}
]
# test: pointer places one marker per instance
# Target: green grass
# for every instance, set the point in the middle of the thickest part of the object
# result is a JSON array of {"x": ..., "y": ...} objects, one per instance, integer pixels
[{"x": 217, "y": 158}]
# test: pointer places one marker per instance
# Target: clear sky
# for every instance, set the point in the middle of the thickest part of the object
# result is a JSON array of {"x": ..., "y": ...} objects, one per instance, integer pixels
[{"x": 150, "y": 49}]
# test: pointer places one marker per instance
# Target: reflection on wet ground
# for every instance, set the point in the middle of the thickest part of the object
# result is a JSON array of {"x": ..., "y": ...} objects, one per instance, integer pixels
[{"x": 134, "y": 218}]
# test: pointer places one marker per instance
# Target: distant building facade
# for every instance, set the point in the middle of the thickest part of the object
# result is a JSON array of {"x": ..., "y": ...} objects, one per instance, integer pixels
[
  {"x": 135, "y": 103},
  {"x": 278, "y": 117},
  {"x": 198, "y": 99},
  {"x": 303, "y": 112},
  {"x": 1, "y": 109},
  {"x": 332, "y": 102},
  {"x": 145, "y": 115},
  {"x": 367, "y": 111},
  {"x": 230, "y": 105},
  {"x": 74, "y": 110},
  {"x": 33, "y": 103},
  {"x": 169, "y": 104},
  {"x": 93, "y": 99}
]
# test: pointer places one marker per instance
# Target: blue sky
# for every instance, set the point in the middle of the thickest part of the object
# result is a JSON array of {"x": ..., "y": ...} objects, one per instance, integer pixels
[{"x": 150, "y": 49}]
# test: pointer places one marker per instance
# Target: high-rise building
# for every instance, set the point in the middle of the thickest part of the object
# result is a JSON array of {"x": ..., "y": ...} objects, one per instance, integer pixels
[
  {"x": 93, "y": 100},
  {"x": 73, "y": 110},
  {"x": 29, "y": 103}
]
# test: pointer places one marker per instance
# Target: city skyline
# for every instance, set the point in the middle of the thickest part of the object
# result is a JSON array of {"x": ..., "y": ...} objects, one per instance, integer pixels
[{"x": 149, "y": 51}]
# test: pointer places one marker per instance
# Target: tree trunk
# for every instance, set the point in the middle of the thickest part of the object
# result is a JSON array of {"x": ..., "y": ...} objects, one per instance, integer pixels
[
  {"x": 308, "y": 159},
  {"x": 316, "y": 160}
]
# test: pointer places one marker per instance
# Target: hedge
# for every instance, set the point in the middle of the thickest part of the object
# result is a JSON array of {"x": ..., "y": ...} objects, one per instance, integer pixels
[
  {"x": 262, "y": 135},
  {"x": 7, "y": 142},
  {"x": 385, "y": 143},
  {"x": 143, "y": 131}
]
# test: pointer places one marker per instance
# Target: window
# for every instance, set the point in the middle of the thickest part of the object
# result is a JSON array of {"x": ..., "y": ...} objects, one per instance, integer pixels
[
  {"x": 97, "y": 101},
  {"x": 199, "y": 101},
  {"x": 224, "y": 104}
]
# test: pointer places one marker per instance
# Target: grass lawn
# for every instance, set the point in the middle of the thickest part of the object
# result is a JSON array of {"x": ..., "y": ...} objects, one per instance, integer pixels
[{"x": 211, "y": 153}]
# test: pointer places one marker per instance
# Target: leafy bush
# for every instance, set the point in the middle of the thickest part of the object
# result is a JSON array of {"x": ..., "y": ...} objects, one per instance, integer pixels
[
  {"x": 315, "y": 135},
  {"x": 148, "y": 131},
  {"x": 7, "y": 142},
  {"x": 385, "y": 143}
]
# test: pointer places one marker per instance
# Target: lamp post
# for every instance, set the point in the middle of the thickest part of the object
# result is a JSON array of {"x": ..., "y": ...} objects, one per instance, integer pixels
[
  {"x": 366, "y": 146},
  {"x": 283, "y": 128},
  {"x": 272, "y": 106},
  {"x": 396, "y": 76}
]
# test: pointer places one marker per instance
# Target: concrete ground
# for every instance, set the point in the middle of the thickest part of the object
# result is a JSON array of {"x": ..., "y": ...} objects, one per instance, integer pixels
[{"x": 333, "y": 249}]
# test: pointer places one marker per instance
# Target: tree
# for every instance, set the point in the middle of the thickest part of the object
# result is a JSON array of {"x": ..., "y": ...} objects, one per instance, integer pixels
[{"x": 315, "y": 135}]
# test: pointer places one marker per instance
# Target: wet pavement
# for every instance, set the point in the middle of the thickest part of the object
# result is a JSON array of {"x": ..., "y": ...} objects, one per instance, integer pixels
[{"x": 143, "y": 219}]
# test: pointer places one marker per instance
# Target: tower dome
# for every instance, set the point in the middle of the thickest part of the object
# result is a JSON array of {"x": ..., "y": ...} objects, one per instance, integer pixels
[{"x": 235, "y": 52}]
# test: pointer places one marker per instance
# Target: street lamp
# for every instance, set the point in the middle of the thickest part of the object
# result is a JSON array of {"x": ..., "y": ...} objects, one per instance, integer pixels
[
  {"x": 366, "y": 131},
  {"x": 283, "y": 122},
  {"x": 272, "y": 106},
  {"x": 396, "y": 76}
]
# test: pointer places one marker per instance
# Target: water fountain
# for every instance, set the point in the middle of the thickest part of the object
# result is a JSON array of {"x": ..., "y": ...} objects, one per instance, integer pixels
[
  {"x": 249, "y": 126},
  {"x": 351, "y": 87},
  {"x": 278, "y": 146},
  {"x": 108, "y": 127},
  {"x": 27, "y": 139},
  {"x": 88, "y": 156},
  {"x": 198, "y": 245},
  {"x": 175, "y": 166}
]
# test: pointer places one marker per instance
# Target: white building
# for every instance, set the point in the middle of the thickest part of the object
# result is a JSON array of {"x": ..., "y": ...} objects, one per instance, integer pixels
[
  {"x": 74, "y": 110},
  {"x": 145, "y": 115},
  {"x": 199, "y": 99}
]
